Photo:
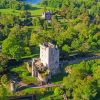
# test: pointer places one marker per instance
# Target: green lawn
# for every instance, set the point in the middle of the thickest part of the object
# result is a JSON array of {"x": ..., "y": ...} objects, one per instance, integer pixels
[
  {"x": 17, "y": 12},
  {"x": 36, "y": 10},
  {"x": 24, "y": 74},
  {"x": 9, "y": 11}
]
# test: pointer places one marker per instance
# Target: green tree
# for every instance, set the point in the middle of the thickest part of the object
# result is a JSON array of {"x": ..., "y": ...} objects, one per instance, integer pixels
[
  {"x": 3, "y": 63},
  {"x": 34, "y": 39},
  {"x": 98, "y": 42},
  {"x": 45, "y": 25},
  {"x": 85, "y": 91},
  {"x": 4, "y": 93},
  {"x": 58, "y": 91},
  {"x": 14, "y": 45},
  {"x": 66, "y": 48},
  {"x": 75, "y": 44},
  {"x": 84, "y": 48},
  {"x": 4, "y": 80}
]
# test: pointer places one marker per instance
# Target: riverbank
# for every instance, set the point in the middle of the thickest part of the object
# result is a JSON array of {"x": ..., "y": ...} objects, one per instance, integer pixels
[{"x": 32, "y": 1}]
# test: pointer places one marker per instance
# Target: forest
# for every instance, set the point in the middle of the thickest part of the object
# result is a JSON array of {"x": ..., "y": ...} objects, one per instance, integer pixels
[
  {"x": 74, "y": 28},
  {"x": 83, "y": 82},
  {"x": 14, "y": 4}
]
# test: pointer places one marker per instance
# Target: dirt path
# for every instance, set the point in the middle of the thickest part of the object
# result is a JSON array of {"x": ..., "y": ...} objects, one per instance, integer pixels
[{"x": 42, "y": 86}]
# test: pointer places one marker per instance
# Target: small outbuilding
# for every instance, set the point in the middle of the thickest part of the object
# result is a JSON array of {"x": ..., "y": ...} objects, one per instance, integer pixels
[{"x": 47, "y": 15}]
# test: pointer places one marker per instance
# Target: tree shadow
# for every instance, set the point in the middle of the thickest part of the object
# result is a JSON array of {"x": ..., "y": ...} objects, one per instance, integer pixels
[
  {"x": 58, "y": 77},
  {"x": 35, "y": 8}
]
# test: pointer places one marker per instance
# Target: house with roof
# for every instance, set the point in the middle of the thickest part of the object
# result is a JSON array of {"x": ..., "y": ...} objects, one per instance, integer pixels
[{"x": 47, "y": 15}]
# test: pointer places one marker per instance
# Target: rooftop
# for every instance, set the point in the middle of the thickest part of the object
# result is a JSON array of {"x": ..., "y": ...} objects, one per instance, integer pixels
[{"x": 49, "y": 45}]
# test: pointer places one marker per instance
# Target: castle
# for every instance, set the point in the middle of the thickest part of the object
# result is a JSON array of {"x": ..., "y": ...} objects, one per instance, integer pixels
[{"x": 48, "y": 63}]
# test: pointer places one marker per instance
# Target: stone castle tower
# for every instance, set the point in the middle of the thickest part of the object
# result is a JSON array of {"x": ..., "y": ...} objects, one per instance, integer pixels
[{"x": 49, "y": 56}]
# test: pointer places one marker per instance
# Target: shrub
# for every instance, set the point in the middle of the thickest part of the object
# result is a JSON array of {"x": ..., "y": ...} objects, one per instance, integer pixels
[
  {"x": 4, "y": 79},
  {"x": 29, "y": 80},
  {"x": 58, "y": 91}
]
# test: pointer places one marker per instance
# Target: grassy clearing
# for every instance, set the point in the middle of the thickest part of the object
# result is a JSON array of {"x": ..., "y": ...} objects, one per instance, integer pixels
[
  {"x": 9, "y": 11},
  {"x": 17, "y": 12},
  {"x": 36, "y": 10},
  {"x": 24, "y": 74},
  {"x": 31, "y": 91}
]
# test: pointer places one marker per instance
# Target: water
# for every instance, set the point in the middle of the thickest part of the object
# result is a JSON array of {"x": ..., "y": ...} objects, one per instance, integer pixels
[{"x": 32, "y": 1}]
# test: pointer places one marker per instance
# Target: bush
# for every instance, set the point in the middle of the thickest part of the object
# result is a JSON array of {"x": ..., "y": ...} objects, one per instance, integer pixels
[
  {"x": 3, "y": 63},
  {"x": 24, "y": 74},
  {"x": 29, "y": 80},
  {"x": 4, "y": 79},
  {"x": 58, "y": 91}
]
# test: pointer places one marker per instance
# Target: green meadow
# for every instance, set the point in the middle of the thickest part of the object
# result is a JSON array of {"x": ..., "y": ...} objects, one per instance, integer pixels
[{"x": 36, "y": 10}]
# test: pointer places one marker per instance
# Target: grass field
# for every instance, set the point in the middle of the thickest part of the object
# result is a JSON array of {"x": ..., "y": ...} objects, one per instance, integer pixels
[
  {"x": 36, "y": 10},
  {"x": 23, "y": 74}
]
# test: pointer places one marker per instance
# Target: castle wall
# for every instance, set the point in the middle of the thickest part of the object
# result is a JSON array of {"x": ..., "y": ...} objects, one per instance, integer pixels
[
  {"x": 34, "y": 70},
  {"x": 53, "y": 60},
  {"x": 44, "y": 55}
]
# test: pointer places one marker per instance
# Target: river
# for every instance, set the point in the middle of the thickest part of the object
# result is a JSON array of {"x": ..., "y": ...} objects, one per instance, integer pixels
[{"x": 32, "y": 1}]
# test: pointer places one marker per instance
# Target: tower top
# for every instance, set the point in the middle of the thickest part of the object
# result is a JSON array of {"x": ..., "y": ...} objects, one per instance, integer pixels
[{"x": 48, "y": 45}]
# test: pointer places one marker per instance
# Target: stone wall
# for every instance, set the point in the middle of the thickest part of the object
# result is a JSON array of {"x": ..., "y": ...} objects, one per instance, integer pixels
[
  {"x": 13, "y": 86},
  {"x": 43, "y": 79}
]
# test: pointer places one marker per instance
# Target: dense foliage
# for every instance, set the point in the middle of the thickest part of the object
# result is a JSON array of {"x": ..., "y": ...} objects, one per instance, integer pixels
[
  {"x": 83, "y": 81},
  {"x": 3, "y": 63},
  {"x": 74, "y": 27},
  {"x": 81, "y": 23},
  {"x": 14, "y": 4},
  {"x": 15, "y": 45}
]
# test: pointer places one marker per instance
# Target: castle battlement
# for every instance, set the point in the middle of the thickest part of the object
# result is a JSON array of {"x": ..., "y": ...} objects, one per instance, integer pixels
[{"x": 48, "y": 45}]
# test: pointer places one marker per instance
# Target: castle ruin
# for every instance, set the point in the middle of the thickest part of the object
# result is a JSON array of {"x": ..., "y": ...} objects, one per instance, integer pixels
[{"x": 48, "y": 63}]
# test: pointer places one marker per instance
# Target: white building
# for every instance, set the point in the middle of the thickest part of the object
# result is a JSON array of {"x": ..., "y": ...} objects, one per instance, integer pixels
[
  {"x": 47, "y": 15},
  {"x": 49, "y": 56}
]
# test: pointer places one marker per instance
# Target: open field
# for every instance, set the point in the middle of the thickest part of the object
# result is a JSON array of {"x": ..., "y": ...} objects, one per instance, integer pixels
[{"x": 36, "y": 10}]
